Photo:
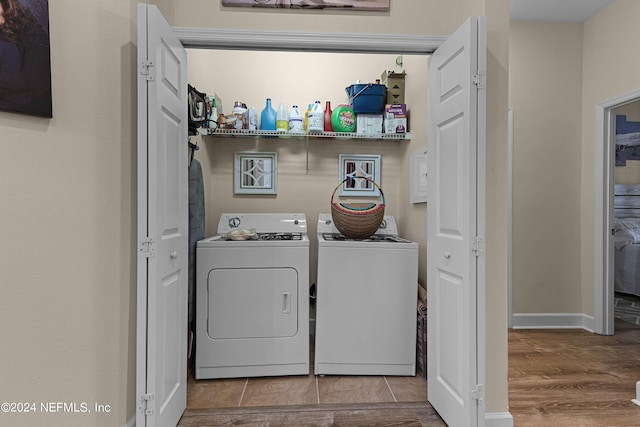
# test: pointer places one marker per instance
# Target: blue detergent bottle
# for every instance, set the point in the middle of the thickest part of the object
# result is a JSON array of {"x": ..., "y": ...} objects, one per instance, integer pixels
[{"x": 268, "y": 117}]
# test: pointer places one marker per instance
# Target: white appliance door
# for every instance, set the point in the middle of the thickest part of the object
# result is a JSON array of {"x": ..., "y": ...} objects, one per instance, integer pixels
[
  {"x": 162, "y": 222},
  {"x": 455, "y": 115},
  {"x": 252, "y": 303}
]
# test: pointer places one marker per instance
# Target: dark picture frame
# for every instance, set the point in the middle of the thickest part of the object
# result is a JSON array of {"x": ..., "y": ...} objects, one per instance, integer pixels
[
  {"x": 25, "y": 57},
  {"x": 356, "y": 5}
]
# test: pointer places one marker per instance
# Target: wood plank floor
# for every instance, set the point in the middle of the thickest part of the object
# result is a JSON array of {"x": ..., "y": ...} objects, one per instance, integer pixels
[
  {"x": 412, "y": 414},
  {"x": 574, "y": 378}
]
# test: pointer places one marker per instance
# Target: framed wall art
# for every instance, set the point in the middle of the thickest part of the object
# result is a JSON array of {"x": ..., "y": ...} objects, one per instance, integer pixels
[
  {"x": 375, "y": 5},
  {"x": 357, "y": 167},
  {"x": 25, "y": 68},
  {"x": 256, "y": 173}
]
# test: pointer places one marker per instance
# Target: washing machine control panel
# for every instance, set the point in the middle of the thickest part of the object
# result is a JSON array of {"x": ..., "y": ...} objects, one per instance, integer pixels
[{"x": 263, "y": 222}]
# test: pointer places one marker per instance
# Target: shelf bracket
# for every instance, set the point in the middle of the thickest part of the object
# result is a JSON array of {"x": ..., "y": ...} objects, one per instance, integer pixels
[{"x": 307, "y": 159}]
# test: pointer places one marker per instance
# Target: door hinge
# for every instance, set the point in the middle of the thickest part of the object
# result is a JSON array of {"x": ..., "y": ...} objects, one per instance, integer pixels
[
  {"x": 148, "y": 248},
  {"x": 477, "y": 393},
  {"x": 479, "y": 79},
  {"x": 145, "y": 70},
  {"x": 477, "y": 246},
  {"x": 145, "y": 406}
]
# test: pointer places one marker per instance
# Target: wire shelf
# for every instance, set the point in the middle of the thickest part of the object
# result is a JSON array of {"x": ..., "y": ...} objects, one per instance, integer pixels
[{"x": 243, "y": 133}]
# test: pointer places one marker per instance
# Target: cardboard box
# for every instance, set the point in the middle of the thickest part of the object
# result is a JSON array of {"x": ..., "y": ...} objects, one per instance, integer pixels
[
  {"x": 395, "y": 118},
  {"x": 368, "y": 123},
  {"x": 395, "y": 86}
]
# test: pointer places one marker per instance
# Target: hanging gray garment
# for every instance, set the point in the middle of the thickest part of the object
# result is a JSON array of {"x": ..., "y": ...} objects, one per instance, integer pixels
[{"x": 196, "y": 228}]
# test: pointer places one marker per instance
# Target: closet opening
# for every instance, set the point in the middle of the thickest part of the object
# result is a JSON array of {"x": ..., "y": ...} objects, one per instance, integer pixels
[{"x": 299, "y": 77}]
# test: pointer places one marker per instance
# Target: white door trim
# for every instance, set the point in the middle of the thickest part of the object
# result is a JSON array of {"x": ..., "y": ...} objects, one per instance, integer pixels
[
  {"x": 603, "y": 218},
  {"x": 510, "y": 218},
  {"x": 208, "y": 38}
]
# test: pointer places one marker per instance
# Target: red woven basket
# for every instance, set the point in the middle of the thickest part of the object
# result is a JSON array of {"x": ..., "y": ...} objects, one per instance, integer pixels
[{"x": 357, "y": 220}]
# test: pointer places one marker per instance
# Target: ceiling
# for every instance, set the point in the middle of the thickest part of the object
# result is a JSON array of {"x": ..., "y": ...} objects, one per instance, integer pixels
[{"x": 556, "y": 10}]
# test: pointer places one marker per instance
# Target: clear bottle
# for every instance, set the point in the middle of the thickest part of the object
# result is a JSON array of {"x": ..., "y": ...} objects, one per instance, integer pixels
[
  {"x": 316, "y": 118},
  {"x": 282, "y": 118},
  {"x": 296, "y": 122},
  {"x": 268, "y": 117}
]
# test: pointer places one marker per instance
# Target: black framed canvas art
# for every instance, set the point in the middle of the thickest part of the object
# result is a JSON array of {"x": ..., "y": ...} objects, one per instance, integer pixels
[
  {"x": 25, "y": 57},
  {"x": 378, "y": 5}
]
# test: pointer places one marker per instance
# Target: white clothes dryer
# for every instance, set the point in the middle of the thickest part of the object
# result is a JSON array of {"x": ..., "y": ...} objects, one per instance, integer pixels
[
  {"x": 252, "y": 297},
  {"x": 366, "y": 302}
]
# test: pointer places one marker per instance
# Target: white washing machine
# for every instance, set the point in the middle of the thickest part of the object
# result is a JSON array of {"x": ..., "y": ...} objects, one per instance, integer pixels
[
  {"x": 252, "y": 297},
  {"x": 366, "y": 302}
]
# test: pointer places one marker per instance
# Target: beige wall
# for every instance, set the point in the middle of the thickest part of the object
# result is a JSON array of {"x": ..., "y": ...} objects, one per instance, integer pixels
[
  {"x": 609, "y": 70},
  {"x": 69, "y": 202},
  {"x": 300, "y": 78},
  {"x": 545, "y": 79},
  {"x": 498, "y": 51},
  {"x": 67, "y": 224},
  {"x": 426, "y": 17},
  {"x": 558, "y": 73}
]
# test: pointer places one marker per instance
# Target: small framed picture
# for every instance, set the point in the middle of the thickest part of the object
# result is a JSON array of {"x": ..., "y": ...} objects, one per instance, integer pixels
[
  {"x": 418, "y": 191},
  {"x": 256, "y": 173},
  {"x": 356, "y": 168}
]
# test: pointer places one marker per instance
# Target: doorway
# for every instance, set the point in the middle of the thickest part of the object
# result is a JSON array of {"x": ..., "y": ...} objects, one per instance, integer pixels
[
  {"x": 604, "y": 211},
  {"x": 299, "y": 78},
  {"x": 245, "y": 41},
  {"x": 472, "y": 34},
  {"x": 626, "y": 212}
]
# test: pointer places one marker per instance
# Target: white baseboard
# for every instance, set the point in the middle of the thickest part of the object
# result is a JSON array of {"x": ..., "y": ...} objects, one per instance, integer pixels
[
  {"x": 131, "y": 422},
  {"x": 553, "y": 321},
  {"x": 498, "y": 419}
]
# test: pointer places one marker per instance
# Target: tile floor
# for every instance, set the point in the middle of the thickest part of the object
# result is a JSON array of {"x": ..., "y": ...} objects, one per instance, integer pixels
[{"x": 303, "y": 390}]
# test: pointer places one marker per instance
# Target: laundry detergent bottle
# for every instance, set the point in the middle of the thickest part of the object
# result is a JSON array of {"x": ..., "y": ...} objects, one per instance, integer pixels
[
  {"x": 268, "y": 117},
  {"x": 296, "y": 122},
  {"x": 316, "y": 118},
  {"x": 343, "y": 119}
]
